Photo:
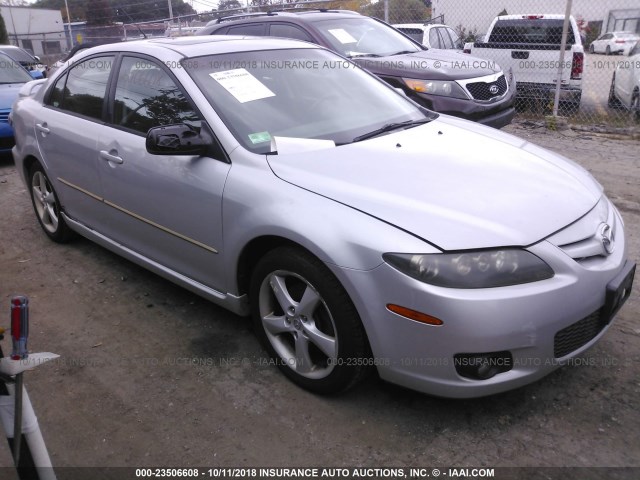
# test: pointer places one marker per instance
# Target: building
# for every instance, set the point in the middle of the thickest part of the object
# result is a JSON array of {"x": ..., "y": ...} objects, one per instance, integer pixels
[{"x": 38, "y": 30}]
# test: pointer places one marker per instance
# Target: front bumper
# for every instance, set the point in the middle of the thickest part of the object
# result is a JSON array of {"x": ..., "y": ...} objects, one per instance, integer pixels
[
  {"x": 547, "y": 91},
  {"x": 532, "y": 322},
  {"x": 7, "y": 140},
  {"x": 497, "y": 114}
]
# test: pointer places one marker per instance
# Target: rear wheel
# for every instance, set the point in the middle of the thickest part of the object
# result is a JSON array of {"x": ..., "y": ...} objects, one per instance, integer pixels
[
  {"x": 634, "y": 108},
  {"x": 307, "y": 322},
  {"x": 608, "y": 50},
  {"x": 613, "y": 101},
  {"x": 47, "y": 206},
  {"x": 591, "y": 49}
]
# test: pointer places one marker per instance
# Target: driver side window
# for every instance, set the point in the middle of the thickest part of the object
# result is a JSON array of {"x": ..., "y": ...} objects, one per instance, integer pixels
[{"x": 146, "y": 97}]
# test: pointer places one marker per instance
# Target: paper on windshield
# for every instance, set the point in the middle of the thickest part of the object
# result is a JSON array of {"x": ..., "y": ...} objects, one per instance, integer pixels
[
  {"x": 342, "y": 35},
  {"x": 285, "y": 145},
  {"x": 242, "y": 85}
]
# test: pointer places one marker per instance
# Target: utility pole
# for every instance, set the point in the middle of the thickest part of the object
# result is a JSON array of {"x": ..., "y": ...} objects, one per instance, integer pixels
[
  {"x": 66, "y": 5},
  {"x": 170, "y": 12}
]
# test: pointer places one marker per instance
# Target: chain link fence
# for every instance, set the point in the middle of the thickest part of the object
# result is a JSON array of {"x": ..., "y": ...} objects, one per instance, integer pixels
[{"x": 599, "y": 66}]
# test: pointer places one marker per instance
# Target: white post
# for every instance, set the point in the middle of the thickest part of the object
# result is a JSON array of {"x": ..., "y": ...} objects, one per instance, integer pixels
[
  {"x": 66, "y": 5},
  {"x": 563, "y": 45}
]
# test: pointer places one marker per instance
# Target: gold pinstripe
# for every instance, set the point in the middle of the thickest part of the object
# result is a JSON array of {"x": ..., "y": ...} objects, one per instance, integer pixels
[{"x": 139, "y": 217}]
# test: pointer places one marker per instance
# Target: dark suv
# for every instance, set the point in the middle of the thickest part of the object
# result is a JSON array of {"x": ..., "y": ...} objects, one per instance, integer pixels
[{"x": 447, "y": 82}]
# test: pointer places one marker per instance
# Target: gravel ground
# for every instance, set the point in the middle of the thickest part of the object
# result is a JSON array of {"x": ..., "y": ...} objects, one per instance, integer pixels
[{"x": 127, "y": 392}]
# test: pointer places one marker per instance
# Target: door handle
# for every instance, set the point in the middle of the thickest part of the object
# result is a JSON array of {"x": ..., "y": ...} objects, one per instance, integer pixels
[
  {"x": 43, "y": 128},
  {"x": 111, "y": 158}
]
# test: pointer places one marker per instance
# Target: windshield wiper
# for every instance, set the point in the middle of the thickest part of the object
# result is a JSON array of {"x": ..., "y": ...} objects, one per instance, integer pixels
[
  {"x": 358, "y": 55},
  {"x": 403, "y": 52},
  {"x": 390, "y": 127}
]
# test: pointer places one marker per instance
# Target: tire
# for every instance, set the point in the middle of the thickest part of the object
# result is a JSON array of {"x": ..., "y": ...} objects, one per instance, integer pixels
[
  {"x": 591, "y": 49},
  {"x": 47, "y": 206},
  {"x": 634, "y": 107},
  {"x": 607, "y": 50},
  {"x": 612, "y": 100},
  {"x": 307, "y": 322}
]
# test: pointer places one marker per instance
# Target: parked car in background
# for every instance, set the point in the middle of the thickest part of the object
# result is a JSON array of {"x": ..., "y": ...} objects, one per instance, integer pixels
[
  {"x": 12, "y": 77},
  {"x": 359, "y": 229},
  {"x": 24, "y": 58},
  {"x": 529, "y": 45},
  {"x": 468, "y": 45},
  {"x": 440, "y": 80},
  {"x": 432, "y": 35},
  {"x": 77, "y": 48},
  {"x": 625, "y": 84},
  {"x": 614, "y": 42}
]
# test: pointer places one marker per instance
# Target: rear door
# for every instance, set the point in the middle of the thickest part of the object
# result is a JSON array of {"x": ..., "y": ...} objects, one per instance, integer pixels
[{"x": 67, "y": 130}]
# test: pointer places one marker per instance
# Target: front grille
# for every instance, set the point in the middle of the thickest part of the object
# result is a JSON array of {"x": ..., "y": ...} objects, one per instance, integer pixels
[
  {"x": 4, "y": 115},
  {"x": 481, "y": 90},
  {"x": 578, "y": 334}
]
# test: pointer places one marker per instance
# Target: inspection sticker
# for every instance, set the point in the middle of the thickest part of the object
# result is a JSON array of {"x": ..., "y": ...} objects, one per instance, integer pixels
[
  {"x": 259, "y": 137},
  {"x": 242, "y": 85},
  {"x": 342, "y": 35}
]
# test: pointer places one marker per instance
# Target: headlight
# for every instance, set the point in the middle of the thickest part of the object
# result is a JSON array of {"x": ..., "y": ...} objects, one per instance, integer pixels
[
  {"x": 445, "y": 88},
  {"x": 478, "y": 269}
]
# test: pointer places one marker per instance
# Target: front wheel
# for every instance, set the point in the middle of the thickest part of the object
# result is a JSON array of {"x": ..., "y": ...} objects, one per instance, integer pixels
[
  {"x": 307, "y": 322},
  {"x": 47, "y": 206}
]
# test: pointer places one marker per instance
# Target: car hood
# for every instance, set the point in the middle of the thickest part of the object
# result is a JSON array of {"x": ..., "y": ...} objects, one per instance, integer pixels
[
  {"x": 429, "y": 64},
  {"x": 8, "y": 94},
  {"x": 455, "y": 184}
]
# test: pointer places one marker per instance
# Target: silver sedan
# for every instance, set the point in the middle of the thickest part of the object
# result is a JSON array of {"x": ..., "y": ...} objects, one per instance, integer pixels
[{"x": 362, "y": 232}]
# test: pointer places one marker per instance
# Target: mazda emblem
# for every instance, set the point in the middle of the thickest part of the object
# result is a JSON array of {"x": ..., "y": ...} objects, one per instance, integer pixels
[{"x": 606, "y": 237}]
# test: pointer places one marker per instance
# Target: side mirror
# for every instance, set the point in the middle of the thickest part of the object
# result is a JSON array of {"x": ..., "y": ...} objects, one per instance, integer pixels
[
  {"x": 37, "y": 58},
  {"x": 179, "y": 139}
]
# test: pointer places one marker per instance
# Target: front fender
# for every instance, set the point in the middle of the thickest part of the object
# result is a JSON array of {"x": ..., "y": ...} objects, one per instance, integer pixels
[{"x": 257, "y": 203}]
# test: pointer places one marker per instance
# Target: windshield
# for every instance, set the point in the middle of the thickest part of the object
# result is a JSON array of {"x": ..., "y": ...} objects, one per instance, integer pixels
[
  {"x": 537, "y": 30},
  {"x": 300, "y": 93},
  {"x": 12, "y": 72},
  {"x": 363, "y": 36},
  {"x": 18, "y": 55}
]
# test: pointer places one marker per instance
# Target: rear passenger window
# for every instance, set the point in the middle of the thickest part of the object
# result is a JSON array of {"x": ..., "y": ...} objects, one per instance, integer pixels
[
  {"x": 289, "y": 31},
  {"x": 446, "y": 40},
  {"x": 256, "y": 29},
  {"x": 83, "y": 89},
  {"x": 434, "y": 41}
]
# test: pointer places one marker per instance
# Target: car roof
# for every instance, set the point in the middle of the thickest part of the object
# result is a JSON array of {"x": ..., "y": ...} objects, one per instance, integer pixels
[
  {"x": 273, "y": 16},
  {"x": 196, "y": 46},
  {"x": 526, "y": 16}
]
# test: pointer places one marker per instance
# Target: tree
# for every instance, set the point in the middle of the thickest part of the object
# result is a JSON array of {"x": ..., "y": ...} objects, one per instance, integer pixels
[
  {"x": 400, "y": 11},
  {"x": 125, "y": 11},
  {"x": 100, "y": 13},
  {"x": 4, "y": 36},
  {"x": 229, "y": 5}
]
